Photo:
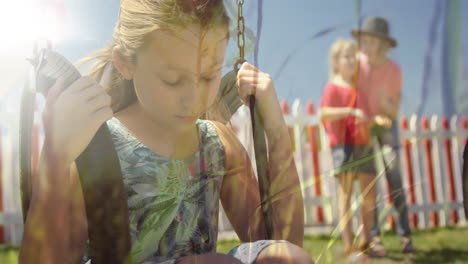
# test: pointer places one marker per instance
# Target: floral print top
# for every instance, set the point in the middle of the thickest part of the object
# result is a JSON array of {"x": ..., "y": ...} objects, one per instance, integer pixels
[{"x": 173, "y": 204}]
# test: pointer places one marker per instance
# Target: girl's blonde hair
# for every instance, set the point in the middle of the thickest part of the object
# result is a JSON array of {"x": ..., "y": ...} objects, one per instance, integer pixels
[
  {"x": 336, "y": 50},
  {"x": 137, "y": 20}
]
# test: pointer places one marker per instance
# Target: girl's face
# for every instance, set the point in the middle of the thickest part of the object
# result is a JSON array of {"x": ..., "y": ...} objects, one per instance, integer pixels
[
  {"x": 177, "y": 74},
  {"x": 372, "y": 46},
  {"x": 346, "y": 62}
]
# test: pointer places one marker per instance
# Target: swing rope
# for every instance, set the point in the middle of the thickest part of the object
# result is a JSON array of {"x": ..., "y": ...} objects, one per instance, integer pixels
[{"x": 258, "y": 132}]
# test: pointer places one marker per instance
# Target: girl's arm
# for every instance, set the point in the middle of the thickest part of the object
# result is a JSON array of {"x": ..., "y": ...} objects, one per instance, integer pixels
[
  {"x": 285, "y": 190},
  {"x": 239, "y": 193},
  {"x": 335, "y": 113},
  {"x": 46, "y": 232},
  {"x": 55, "y": 229},
  {"x": 331, "y": 107},
  {"x": 56, "y": 223}
]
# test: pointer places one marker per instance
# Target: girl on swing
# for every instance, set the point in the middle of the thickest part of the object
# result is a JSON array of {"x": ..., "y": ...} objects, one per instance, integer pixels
[
  {"x": 159, "y": 75},
  {"x": 347, "y": 126}
]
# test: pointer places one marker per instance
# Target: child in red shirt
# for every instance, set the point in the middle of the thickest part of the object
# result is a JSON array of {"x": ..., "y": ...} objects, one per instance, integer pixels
[{"x": 347, "y": 126}]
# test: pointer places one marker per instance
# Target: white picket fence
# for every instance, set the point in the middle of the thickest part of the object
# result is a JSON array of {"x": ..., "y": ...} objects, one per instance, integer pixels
[{"x": 443, "y": 207}]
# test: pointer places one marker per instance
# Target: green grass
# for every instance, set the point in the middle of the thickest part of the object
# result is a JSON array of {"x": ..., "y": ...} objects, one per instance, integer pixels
[
  {"x": 435, "y": 246},
  {"x": 8, "y": 255}
]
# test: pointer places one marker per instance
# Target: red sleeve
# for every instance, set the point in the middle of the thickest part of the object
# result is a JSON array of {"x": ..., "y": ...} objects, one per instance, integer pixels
[{"x": 330, "y": 96}]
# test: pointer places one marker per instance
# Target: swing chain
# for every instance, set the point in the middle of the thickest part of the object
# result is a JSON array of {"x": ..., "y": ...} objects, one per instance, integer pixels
[{"x": 240, "y": 34}]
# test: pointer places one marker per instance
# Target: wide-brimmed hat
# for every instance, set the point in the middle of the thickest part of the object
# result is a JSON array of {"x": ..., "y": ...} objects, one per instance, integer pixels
[{"x": 375, "y": 26}]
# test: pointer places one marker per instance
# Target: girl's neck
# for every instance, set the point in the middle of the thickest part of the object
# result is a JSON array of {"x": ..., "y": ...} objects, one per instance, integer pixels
[
  {"x": 162, "y": 140},
  {"x": 343, "y": 81}
]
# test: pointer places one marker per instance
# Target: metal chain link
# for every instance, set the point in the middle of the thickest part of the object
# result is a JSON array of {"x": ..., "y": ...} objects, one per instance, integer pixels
[{"x": 240, "y": 34}]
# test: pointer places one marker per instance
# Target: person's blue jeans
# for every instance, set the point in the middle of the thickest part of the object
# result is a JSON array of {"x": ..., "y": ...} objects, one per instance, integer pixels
[{"x": 389, "y": 139}]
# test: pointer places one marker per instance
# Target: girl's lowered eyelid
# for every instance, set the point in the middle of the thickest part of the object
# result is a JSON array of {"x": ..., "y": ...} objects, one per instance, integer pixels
[
  {"x": 171, "y": 83},
  {"x": 178, "y": 80},
  {"x": 209, "y": 79},
  {"x": 171, "y": 74}
]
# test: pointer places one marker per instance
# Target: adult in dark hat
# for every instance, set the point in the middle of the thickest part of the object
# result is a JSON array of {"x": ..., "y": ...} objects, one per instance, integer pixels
[
  {"x": 380, "y": 78},
  {"x": 377, "y": 27}
]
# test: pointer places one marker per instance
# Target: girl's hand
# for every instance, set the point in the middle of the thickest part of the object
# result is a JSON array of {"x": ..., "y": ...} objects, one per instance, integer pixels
[
  {"x": 73, "y": 115},
  {"x": 282, "y": 169},
  {"x": 383, "y": 121},
  {"x": 252, "y": 81}
]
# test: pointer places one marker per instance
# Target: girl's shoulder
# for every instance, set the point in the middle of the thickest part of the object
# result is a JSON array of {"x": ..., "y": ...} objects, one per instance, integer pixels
[
  {"x": 114, "y": 126},
  {"x": 329, "y": 85},
  {"x": 333, "y": 87},
  {"x": 124, "y": 141},
  {"x": 216, "y": 136},
  {"x": 117, "y": 131},
  {"x": 207, "y": 130},
  {"x": 125, "y": 144},
  {"x": 232, "y": 146}
]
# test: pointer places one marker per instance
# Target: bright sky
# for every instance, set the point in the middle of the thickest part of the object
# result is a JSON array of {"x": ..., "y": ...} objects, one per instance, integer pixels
[{"x": 88, "y": 25}]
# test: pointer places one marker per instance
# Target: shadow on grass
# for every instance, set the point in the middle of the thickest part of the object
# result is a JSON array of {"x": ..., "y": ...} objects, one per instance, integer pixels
[{"x": 445, "y": 255}]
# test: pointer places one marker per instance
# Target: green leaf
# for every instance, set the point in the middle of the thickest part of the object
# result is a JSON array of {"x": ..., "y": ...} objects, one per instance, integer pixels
[{"x": 153, "y": 228}]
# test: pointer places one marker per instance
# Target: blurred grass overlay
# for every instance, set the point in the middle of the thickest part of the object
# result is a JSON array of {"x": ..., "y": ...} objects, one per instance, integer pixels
[{"x": 435, "y": 246}]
